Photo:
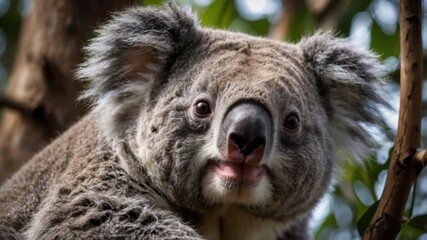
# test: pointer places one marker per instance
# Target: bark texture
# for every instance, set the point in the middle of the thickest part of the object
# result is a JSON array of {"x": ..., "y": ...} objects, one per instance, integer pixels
[
  {"x": 42, "y": 77},
  {"x": 402, "y": 171}
]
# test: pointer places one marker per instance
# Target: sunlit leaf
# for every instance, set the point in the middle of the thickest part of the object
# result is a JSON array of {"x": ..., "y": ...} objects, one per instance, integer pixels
[
  {"x": 152, "y": 2},
  {"x": 219, "y": 14}
]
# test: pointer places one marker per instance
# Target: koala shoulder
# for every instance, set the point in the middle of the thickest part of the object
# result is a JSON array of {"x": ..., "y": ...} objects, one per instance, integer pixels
[{"x": 21, "y": 195}]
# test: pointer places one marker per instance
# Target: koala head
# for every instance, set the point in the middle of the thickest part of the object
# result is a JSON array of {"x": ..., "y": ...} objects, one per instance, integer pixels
[{"x": 213, "y": 119}]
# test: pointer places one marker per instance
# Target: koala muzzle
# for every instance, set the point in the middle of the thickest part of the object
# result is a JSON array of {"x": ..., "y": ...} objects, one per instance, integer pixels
[{"x": 246, "y": 134}]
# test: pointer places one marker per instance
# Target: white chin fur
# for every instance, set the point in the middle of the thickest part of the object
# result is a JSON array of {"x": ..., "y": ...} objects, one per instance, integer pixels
[{"x": 217, "y": 190}]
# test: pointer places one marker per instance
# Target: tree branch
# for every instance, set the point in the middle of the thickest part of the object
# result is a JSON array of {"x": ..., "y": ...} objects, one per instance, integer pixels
[
  {"x": 22, "y": 108},
  {"x": 403, "y": 169},
  {"x": 420, "y": 158}
]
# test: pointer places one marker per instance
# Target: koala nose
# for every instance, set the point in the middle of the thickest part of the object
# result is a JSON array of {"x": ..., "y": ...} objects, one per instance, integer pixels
[
  {"x": 247, "y": 133},
  {"x": 249, "y": 148}
]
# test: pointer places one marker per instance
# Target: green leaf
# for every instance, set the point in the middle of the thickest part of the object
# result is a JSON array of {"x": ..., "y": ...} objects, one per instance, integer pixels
[
  {"x": 410, "y": 232},
  {"x": 363, "y": 222},
  {"x": 384, "y": 44},
  {"x": 260, "y": 27},
  {"x": 219, "y": 14},
  {"x": 152, "y": 2},
  {"x": 419, "y": 222}
]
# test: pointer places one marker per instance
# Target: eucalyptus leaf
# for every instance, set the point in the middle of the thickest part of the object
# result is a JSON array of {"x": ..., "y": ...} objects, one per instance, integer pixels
[{"x": 363, "y": 222}]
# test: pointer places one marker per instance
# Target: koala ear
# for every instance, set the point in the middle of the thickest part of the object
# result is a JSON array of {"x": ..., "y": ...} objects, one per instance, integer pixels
[
  {"x": 130, "y": 53},
  {"x": 347, "y": 81}
]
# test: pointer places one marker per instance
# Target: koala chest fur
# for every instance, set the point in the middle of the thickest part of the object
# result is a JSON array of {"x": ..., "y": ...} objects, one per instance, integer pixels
[
  {"x": 235, "y": 224},
  {"x": 199, "y": 133}
]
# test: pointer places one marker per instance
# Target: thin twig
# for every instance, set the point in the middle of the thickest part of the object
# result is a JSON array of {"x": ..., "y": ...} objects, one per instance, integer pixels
[{"x": 420, "y": 158}]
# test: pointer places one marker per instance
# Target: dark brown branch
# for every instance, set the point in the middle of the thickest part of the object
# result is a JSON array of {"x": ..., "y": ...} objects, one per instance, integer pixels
[
  {"x": 11, "y": 103},
  {"x": 403, "y": 169}
]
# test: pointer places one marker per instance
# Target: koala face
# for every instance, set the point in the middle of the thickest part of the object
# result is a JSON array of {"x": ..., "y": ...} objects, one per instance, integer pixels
[
  {"x": 212, "y": 119},
  {"x": 241, "y": 127}
]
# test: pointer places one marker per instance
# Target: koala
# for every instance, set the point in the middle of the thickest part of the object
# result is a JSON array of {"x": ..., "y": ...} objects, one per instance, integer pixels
[{"x": 197, "y": 133}]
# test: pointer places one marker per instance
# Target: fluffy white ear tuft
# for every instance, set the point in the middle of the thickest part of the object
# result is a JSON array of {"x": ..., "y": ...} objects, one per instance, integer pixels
[
  {"x": 348, "y": 81},
  {"x": 132, "y": 52}
]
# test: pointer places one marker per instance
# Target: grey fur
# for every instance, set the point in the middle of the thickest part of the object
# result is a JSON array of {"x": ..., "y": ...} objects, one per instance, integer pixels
[{"x": 137, "y": 167}]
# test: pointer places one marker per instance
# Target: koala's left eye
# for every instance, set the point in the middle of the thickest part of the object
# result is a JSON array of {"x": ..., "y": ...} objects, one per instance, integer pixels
[
  {"x": 202, "y": 109},
  {"x": 291, "y": 122}
]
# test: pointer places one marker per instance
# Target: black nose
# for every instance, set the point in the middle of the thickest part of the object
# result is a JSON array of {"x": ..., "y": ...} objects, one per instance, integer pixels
[
  {"x": 246, "y": 136},
  {"x": 246, "y": 133}
]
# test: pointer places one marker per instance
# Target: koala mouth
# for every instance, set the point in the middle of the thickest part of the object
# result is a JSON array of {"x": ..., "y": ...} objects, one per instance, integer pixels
[{"x": 239, "y": 171}]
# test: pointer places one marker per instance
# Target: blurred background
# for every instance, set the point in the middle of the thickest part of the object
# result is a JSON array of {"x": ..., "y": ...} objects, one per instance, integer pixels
[{"x": 368, "y": 25}]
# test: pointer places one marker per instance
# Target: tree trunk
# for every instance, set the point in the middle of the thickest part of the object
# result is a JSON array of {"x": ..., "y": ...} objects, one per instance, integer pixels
[
  {"x": 403, "y": 169},
  {"x": 42, "y": 77}
]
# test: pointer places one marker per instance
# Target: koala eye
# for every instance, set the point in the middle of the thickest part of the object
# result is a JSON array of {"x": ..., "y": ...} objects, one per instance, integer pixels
[
  {"x": 202, "y": 109},
  {"x": 291, "y": 122}
]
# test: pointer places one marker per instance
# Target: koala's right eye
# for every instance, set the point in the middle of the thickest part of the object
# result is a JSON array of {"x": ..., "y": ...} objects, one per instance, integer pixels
[
  {"x": 202, "y": 109},
  {"x": 291, "y": 123}
]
